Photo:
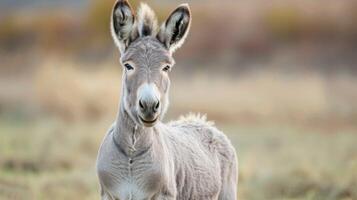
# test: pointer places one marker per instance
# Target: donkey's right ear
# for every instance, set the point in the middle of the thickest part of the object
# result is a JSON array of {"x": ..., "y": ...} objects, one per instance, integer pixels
[{"x": 122, "y": 24}]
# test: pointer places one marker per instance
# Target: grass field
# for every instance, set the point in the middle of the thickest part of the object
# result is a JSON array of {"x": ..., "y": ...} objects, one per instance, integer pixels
[
  {"x": 295, "y": 134},
  {"x": 279, "y": 79},
  {"x": 52, "y": 159}
]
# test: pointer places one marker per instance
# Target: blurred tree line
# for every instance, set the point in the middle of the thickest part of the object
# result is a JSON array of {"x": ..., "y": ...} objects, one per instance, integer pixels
[{"x": 235, "y": 31}]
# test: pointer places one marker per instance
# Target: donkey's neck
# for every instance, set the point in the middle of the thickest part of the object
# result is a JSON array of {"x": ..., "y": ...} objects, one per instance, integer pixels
[{"x": 131, "y": 138}]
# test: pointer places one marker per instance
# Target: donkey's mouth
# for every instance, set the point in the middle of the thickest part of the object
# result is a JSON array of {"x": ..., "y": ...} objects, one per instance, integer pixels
[{"x": 148, "y": 123}]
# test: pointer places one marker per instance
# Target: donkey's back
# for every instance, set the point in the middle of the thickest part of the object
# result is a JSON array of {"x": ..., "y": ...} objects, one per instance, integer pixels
[{"x": 205, "y": 160}]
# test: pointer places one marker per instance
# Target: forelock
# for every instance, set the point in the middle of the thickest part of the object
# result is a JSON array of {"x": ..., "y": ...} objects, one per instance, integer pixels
[{"x": 147, "y": 21}]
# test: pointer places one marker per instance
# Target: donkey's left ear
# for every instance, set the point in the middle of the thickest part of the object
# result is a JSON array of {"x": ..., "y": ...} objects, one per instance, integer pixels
[{"x": 175, "y": 29}]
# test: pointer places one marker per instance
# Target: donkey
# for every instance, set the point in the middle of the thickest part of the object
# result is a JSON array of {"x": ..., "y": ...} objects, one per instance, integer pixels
[{"x": 142, "y": 158}]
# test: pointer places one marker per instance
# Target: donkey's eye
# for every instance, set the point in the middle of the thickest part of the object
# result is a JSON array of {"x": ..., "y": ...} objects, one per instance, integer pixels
[
  {"x": 166, "y": 68},
  {"x": 128, "y": 66}
]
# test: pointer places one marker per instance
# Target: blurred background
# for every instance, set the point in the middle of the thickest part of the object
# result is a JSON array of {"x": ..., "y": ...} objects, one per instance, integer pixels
[{"x": 278, "y": 77}]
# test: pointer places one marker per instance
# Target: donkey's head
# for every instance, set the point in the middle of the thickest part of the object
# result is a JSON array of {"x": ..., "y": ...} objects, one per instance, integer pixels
[{"x": 146, "y": 55}]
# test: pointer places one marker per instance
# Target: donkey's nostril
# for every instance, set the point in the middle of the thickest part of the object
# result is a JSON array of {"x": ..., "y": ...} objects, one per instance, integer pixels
[
  {"x": 141, "y": 105},
  {"x": 157, "y": 105}
]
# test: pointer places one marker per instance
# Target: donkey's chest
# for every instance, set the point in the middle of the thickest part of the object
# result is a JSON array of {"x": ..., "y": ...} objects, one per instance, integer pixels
[{"x": 137, "y": 179}]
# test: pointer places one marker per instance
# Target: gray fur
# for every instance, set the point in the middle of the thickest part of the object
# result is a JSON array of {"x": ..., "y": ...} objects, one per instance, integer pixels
[{"x": 188, "y": 159}]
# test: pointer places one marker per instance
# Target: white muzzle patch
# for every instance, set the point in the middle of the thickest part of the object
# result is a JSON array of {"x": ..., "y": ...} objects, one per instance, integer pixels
[{"x": 148, "y": 92}]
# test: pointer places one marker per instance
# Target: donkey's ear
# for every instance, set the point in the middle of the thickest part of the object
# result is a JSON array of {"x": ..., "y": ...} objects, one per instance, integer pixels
[
  {"x": 122, "y": 24},
  {"x": 174, "y": 31}
]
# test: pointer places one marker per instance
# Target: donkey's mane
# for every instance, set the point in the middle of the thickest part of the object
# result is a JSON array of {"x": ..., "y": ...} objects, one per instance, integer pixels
[{"x": 192, "y": 119}]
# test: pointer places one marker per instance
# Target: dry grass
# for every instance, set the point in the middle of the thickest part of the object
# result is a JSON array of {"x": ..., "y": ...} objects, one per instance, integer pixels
[
  {"x": 293, "y": 126},
  {"x": 280, "y": 162},
  {"x": 50, "y": 159},
  {"x": 72, "y": 93},
  {"x": 265, "y": 94},
  {"x": 52, "y": 155}
]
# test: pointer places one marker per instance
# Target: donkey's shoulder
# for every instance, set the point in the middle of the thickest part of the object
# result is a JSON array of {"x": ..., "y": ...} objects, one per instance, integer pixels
[{"x": 195, "y": 125}]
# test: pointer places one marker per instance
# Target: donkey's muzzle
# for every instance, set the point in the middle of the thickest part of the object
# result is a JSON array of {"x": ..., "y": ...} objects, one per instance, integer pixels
[
  {"x": 148, "y": 104},
  {"x": 149, "y": 111}
]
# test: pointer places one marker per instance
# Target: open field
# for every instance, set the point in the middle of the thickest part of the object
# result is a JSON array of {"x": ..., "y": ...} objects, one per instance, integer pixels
[
  {"x": 50, "y": 159},
  {"x": 295, "y": 134},
  {"x": 279, "y": 78}
]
